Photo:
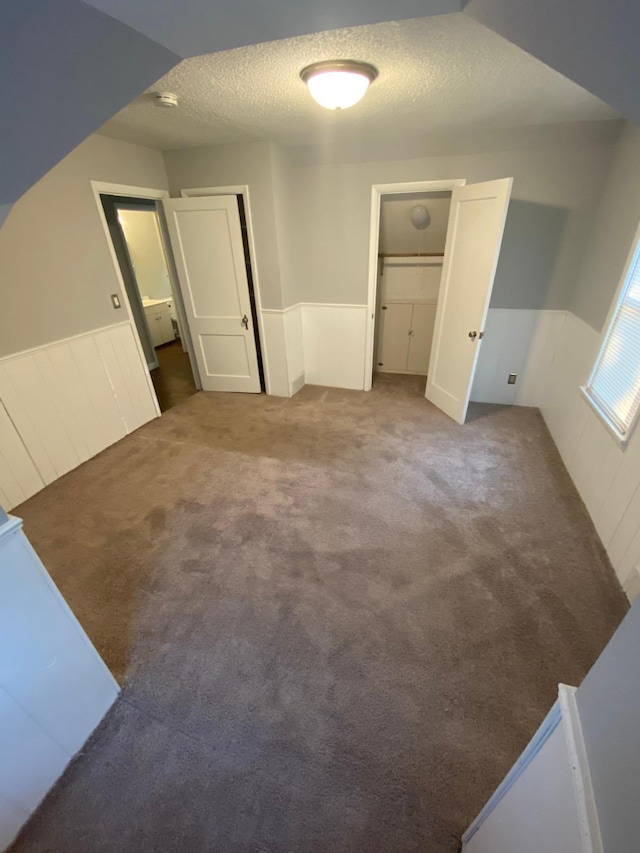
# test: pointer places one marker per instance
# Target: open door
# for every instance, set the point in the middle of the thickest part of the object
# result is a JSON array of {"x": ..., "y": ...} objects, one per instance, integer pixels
[
  {"x": 474, "y": 236},
  {"x": 206, "y": 240}
]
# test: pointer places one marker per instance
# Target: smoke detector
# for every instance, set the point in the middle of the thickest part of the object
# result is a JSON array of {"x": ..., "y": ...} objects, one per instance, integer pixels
[{"x": 165, "y": 99}]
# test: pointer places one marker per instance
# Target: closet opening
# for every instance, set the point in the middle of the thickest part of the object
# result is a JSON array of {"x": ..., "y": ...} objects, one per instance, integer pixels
[{"x": 411, "y": 249}]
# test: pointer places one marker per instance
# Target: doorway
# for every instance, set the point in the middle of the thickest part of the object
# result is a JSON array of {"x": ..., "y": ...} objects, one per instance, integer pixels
[
  {"x": 474, "y": 229},
  {"x": 411, "y": 249},
  {"x": 135, "y": 232}
]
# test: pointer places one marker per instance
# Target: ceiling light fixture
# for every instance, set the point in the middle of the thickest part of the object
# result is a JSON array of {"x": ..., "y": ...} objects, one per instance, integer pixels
[
  {"x": 338, "y": 83},
  {"x": 419, "y": 217}
]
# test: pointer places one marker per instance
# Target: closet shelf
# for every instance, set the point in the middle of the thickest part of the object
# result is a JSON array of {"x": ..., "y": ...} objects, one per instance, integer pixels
[{"x": 383, "y": 255}]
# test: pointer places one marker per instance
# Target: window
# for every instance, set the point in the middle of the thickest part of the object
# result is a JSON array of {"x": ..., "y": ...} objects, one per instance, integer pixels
[{"x": 614, "y": 384}]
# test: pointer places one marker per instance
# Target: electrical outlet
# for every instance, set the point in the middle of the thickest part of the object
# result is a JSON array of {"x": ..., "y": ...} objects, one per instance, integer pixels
[{"x": 512, "y": 379}]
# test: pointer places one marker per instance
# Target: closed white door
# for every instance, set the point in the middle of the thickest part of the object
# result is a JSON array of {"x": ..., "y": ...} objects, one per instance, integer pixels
[
  {"x": 422, "y": 325},
  {"x": 474, "y": 237},
  {"x": 207, "y": 246},
  {"x": 395, "y": 328}
]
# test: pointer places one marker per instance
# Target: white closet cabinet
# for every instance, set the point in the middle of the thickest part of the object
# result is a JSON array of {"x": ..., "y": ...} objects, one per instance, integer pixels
[{"x": 405, "y": 336}]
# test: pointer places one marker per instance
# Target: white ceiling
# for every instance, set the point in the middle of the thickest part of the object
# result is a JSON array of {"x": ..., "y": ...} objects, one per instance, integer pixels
[{"x": 437, "y": 75}]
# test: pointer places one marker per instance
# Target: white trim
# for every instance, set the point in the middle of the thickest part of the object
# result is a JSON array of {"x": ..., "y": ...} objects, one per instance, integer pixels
[
  {"x": 311, "y": 305},
  {"x": 98, "y": 188},
  {"x": 621, "y": 438},
  {"x": 544, "y": 732},
  {"x": 243, "y": 190},
  {"x": 580, "y": 773},
  {"x": 68, "y": 340},
  {"x": 377, "y": 191},
  {"x": 281, "y": 311},
  {"x": 11, "y": 525},
  {"x": 296, "y": 384}
]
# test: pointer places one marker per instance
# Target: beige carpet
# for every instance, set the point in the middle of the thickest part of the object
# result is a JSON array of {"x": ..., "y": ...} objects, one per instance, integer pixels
[{"x": 338, "y": 619}]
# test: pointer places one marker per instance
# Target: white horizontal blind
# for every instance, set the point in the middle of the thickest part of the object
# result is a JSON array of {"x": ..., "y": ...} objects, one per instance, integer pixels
[{"x": 614, "y": 385}]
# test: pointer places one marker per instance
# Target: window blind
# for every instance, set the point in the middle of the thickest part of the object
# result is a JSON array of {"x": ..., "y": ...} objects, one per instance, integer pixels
[{"x": 614, "y": 385}]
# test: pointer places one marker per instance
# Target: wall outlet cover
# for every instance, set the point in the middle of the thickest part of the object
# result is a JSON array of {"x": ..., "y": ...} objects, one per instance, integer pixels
[{"x": 512, "y": 379}]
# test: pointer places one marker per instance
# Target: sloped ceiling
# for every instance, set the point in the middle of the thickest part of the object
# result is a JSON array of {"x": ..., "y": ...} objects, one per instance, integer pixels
[
  {"x": 437, "y": 75},
  {"x": 596, "y": 43},
  {"x": 194, "y": 27}
]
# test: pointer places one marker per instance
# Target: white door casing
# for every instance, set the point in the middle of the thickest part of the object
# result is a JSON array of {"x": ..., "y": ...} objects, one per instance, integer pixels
[
  {"x": 206, "y": 240},
  {"x": 474, "y": 236}
]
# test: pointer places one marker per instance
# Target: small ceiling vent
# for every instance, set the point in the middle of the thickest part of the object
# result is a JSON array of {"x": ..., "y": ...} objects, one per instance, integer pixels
[{"x": 165, "y": 99}]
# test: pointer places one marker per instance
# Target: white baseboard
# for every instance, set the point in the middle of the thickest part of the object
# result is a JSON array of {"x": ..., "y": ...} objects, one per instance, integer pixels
[
  {"x": 62, "y": 403},
  {"x": 296, "y": 384}
]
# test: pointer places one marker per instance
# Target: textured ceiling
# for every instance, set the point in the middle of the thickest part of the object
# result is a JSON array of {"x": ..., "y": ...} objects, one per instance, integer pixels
[{"x": 437, "y": 75}]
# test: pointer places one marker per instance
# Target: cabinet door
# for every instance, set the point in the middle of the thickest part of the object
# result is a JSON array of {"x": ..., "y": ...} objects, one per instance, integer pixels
[
  {"x": 422, "y": 326},
  {"x": 166, "y": 327},
  {"x": 395, "y": 324},
  {"x": 155, "y": 328}
]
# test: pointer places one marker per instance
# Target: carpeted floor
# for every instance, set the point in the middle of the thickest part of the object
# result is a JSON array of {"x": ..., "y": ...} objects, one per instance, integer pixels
[{"x": 338, "y": 619}]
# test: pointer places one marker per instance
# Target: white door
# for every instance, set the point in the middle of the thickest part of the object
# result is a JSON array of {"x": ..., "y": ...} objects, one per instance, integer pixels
[
  {"x": 474, "y": 237},
  {"x": 207, "y": 246}
]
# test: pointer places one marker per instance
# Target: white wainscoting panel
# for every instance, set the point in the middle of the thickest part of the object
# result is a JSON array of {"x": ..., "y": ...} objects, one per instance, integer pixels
[
  {"x": 274, "y": 353},
  {"x": 54, "y": 687},
  {"x": 62, "y": 403},
  {"x": 295, "y": 348},
  {"x": 334, "y": 340},
  {"x": 410, "y": 278},
  {"x": 537, "y": 373},
  {"x": 606, "y": 475},
  {"x": 508, "y": 335}
]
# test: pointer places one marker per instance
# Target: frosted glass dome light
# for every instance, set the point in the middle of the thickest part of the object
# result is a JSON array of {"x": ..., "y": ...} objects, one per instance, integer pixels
[
  {"x": 338, "y": 83},
  {"x": 419, "y": 216}
]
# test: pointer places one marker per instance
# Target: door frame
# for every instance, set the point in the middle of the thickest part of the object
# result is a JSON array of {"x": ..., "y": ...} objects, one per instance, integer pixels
[
  {"x": 377, "y": 191},
  {"x": 103, "y": 188},
  {"x": 243, "y": 190}
]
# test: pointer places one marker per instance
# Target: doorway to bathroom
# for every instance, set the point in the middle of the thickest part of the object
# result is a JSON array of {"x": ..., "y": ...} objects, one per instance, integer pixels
[{"x": 135, "y": 231}]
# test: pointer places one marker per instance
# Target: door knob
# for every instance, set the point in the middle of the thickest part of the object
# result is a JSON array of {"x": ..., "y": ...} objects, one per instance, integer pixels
[
  {"x": 245, "y": 322},
  {"x": 473, "y": 335}
]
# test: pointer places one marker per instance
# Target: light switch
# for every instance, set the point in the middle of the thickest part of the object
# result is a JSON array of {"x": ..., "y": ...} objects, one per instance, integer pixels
[{"x": 116, "y": 300}]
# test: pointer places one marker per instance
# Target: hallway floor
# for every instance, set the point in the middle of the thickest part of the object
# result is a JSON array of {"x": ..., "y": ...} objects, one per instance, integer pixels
[
  {"x": 173, "y": 378},
  {"x": 338, "y": 619}
]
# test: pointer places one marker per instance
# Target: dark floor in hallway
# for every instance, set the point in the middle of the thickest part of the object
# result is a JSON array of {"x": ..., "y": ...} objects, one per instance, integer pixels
[
  {"x": 173, "y": 378},
  {"x": 338, "y": 620}
]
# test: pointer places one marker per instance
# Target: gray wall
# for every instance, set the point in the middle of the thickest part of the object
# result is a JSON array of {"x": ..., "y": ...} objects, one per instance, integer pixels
[
  {"x": 230, "y": 165},
  {"x": 616, "y": 224},
  {"x": 558, "y": 179},
  {"x": 397, "y": 232},
  {"x": 596, "y": 43},
  {"x": 609, "y": 704},
  {"x": 55, "y": 266},
  {"x": 66, "y": 68}
]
